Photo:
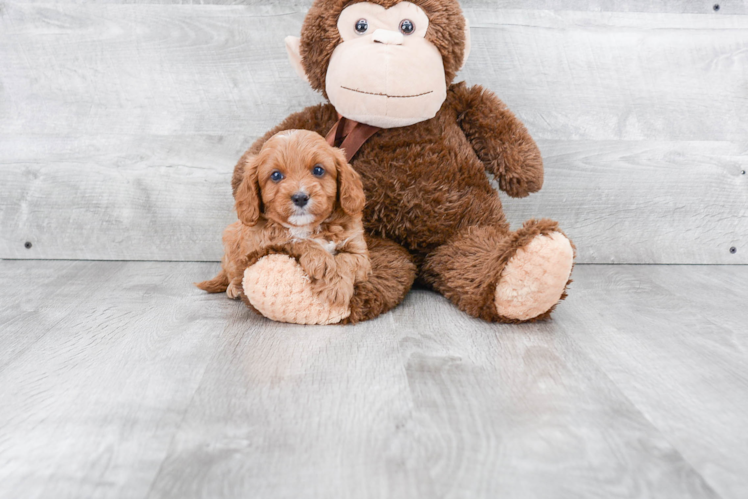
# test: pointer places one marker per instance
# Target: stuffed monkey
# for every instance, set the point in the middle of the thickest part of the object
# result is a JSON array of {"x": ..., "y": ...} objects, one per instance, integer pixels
[{"x": 422, "y": 145}]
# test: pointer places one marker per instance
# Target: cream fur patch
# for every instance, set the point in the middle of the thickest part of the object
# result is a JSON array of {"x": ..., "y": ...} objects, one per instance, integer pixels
[
  {"x": 329, "y": 246},
  {"x": 301, "y": 220},
  {"x": 299, "y": 232}
]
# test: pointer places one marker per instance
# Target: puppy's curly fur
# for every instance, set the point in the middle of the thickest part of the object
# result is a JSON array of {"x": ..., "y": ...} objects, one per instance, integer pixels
[{"x": 322, "y": 228}]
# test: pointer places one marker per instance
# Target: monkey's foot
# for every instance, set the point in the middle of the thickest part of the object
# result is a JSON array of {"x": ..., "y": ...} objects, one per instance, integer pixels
[
  {"x": 278, "y": 288},
  {"x": 535, "y": 278}
]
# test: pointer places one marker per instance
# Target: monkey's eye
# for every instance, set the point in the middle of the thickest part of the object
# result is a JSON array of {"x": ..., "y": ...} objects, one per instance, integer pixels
[
  {"x": 276, "y": 176},
  {"x": 407, "y": 27},
  {"x": 362, "y": 26},
  {"x": 318, "y": 171}
]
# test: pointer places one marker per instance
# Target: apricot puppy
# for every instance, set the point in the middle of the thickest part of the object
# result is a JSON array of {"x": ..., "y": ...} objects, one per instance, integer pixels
[{"x": 300, "y": 197}]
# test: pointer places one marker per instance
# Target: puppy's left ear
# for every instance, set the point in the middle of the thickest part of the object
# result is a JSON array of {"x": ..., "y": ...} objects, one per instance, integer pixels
[{"x": 350, "y": 189}]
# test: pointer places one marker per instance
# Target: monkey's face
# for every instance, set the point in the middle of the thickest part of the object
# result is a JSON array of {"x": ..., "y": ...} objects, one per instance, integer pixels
[{"x": 385, "y": 72}]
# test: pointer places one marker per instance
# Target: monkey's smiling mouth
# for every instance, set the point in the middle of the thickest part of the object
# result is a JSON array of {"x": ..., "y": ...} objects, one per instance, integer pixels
[{"x": 387, "y": 95}]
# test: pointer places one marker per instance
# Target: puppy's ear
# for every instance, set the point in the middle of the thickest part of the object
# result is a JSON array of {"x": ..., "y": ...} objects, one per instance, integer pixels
[
  {"x": 248, "y": 200},
  {"x": 350, "y": 189}
]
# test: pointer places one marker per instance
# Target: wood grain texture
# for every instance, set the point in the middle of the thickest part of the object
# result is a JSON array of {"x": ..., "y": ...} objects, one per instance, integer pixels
[
  {"x": 645, "y": 201},
  {"x": 662, "y": 6},
  {"x": 169, "y": 198},
  {"x": 653, "y": 322},
  {"x": 91, "y": 406},
  {"x": 148, "y": 69},
  {"x": 117, "y": 197},
  {"x": 120, "y": 123},
  {"x": 31, "y": 299},
  {"x": 149, "y": 387},
  {"x": 211, "y": 69}
]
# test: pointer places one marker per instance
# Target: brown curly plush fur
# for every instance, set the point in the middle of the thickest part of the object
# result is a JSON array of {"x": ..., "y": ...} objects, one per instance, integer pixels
[{"x": 430, "y": 211}]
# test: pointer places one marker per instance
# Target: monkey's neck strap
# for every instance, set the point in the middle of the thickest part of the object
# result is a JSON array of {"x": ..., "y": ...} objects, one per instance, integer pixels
[{"x": 349, "y": 136}]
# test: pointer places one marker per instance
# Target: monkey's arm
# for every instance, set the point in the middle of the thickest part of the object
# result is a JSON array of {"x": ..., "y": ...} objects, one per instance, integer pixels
[
  {"x": 319, "y": 118},
  {"x": 499, "y": 139}
]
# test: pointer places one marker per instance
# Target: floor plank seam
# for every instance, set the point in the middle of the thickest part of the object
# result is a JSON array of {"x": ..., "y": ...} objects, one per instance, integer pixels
[
  {"x": 644, "y": 416},
  {"x": 177, "y": 429},
  {"x": 71, "y": 311}
]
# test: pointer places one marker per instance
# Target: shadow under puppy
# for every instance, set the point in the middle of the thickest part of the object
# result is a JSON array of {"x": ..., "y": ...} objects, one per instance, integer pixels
[{"x": 299, "y": 197}]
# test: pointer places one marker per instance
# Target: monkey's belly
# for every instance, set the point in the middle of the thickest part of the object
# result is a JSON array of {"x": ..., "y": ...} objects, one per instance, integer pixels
[
  {"x": 424, "y": 214},
  {"x": 425, "y": 183}
]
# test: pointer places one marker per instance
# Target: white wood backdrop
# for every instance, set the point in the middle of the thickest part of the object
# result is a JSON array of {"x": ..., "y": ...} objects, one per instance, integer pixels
[{"x": 120, "y": 121}]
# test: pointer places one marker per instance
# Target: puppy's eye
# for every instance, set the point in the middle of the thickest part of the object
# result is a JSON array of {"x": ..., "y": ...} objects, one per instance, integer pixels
[
  {"x": 318, "y": 171},
  {"x": 276, "y": 176},
  {"x": 362, "y": 25},
  {"x": 407, "y": 27}
]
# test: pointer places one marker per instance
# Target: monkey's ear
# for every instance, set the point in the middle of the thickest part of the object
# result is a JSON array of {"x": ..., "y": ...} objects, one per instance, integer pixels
[
  {"x": 248, "y": 200},
  {"x": 468, "y": 44},
  {"x": 293, "y": 47},
  {"x": 350, "y": 188}
]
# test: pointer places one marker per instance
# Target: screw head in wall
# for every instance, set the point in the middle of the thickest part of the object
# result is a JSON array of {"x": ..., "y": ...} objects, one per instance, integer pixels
[
  {"x": 733, "y": 250},
  {"x": 28, "y": 245},
  {"x": 716, "y": 7}
]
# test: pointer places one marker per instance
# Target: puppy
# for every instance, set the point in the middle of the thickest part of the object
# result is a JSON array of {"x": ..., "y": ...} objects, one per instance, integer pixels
[{"x": 299, "y": 196}]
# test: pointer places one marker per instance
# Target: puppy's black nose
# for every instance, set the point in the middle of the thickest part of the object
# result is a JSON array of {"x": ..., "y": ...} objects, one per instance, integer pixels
[{"x": 300, "y": 199}]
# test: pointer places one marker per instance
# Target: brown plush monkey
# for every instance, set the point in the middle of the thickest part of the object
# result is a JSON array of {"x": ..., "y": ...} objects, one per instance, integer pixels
[{"x": 431, "y": 213}]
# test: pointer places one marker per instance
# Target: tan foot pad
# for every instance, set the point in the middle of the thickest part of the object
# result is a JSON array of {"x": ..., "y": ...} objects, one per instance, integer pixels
[
  {"x": 278, "y": 288},
  {"x": 535, "y": 277}
]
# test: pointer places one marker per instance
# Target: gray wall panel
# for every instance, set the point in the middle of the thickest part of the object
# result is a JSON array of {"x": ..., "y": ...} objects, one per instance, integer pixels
[{"x": 120, "y": 123}]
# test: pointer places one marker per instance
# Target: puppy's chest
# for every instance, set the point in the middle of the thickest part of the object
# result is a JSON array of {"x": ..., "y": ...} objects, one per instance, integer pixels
[
  {"x": 329, "y": 246},
  {"x": 330, "y": 242}
]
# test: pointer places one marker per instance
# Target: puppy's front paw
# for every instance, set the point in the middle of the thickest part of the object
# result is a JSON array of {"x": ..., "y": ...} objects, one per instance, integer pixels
[
  {"x": 363, "y": 271},
  {"x": 337, "y": 292},
  {"x": 317, "y": 264}
]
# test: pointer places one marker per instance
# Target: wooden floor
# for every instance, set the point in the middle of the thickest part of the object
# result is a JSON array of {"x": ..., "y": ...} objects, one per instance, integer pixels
[{"x": 120, "y": 380}]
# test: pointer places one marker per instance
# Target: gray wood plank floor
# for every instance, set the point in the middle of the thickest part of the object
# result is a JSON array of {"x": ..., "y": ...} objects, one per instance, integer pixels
[{"x": 120, "y": 379}]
